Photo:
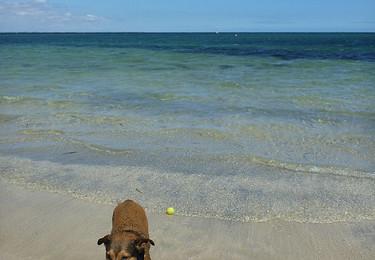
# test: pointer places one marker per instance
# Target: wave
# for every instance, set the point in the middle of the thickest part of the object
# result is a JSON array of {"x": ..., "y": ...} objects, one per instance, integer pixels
[
  {"x": 17, "y": 99},
  {"x": 315, "y": 169},
  {"x": 4, "y": 118},
  {"x": 52, "y": 103},
  {"x": 41, "y": 132},
  {"x": 196, "y": 132},
  {"x": 98, "y": 148},
  {"x": 93, "y": 119},
  {"x": 60, "y": 136}
]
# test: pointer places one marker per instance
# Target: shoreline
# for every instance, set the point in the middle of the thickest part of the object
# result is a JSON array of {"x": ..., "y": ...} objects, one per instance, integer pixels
[
  {"x": 258, "y": 197},
  {"x": 44, "y": 225}
]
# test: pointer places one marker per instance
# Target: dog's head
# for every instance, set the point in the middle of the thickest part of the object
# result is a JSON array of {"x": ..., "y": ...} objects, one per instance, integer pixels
[{"x": 125, "y": 246}]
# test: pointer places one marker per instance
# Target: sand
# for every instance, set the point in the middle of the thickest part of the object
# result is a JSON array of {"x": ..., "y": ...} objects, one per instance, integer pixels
[{"x": 44, "y": 225}]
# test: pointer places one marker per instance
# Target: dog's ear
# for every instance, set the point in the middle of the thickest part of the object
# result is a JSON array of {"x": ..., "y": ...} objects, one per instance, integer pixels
[
  {"x": 141, "y": 244},
  {"x": 106, "y": 240}
]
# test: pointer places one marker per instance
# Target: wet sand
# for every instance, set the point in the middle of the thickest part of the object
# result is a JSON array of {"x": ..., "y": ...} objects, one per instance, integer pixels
[{"x": 44, "y": 225}]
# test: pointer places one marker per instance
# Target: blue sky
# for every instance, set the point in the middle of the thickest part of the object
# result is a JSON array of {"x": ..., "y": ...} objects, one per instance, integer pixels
[{"x": 187, "y": 15}]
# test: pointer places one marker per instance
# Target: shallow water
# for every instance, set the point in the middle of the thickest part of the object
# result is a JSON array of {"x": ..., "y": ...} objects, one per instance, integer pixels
[{"x": 248, "y": 128}]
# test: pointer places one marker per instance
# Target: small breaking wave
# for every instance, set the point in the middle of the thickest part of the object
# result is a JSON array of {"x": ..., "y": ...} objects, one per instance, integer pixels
[
  {"x": 315, "y": 169},
  {"x": 93, "y": 119},
  {"x": 60, "y": 136}
]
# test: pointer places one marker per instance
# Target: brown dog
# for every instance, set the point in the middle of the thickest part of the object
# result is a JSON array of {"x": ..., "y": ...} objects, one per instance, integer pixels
[{"x": 129, "y": 237}]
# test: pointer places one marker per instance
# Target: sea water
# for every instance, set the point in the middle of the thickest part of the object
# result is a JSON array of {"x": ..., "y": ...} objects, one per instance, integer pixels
[{"x": 246, "y": 127}]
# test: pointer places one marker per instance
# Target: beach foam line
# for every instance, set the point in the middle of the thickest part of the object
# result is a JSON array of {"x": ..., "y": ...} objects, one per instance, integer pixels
[{"x": 243, "y": 198}]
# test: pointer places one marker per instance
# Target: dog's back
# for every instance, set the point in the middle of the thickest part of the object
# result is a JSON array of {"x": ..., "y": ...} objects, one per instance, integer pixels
[{"x": 129, "y": 215}]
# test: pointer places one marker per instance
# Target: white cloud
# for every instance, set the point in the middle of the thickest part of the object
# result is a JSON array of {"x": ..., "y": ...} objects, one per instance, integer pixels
[
  {"x": 24, "y": 8},
  {"x": 42, "y": 12},
  {"x": 91, "y": 18}
]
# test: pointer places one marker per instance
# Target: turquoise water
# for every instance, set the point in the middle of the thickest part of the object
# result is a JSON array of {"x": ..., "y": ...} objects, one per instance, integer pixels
[{"x": 246, "y": 127}]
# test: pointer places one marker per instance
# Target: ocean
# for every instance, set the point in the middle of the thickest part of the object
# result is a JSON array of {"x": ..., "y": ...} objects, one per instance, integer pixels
[{"x": 237, "y": 126}]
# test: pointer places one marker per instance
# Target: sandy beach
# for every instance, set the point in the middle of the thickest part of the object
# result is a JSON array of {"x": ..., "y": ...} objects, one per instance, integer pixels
[{"x": 44, "y": 225}]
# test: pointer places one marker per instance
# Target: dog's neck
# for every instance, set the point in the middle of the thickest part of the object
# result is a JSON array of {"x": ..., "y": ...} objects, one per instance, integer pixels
[{"x": 128, "y": 230}]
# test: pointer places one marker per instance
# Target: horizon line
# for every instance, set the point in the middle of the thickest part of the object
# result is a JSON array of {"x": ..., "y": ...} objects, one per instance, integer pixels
[{"x": 187, "y": 32}]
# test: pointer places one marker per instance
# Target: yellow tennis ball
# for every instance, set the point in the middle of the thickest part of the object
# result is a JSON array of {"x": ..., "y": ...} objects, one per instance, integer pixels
[{"x": 170, "y": 211}]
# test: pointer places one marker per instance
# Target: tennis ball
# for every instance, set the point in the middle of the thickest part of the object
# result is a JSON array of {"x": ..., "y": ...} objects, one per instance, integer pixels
[{"x": 170, "y": 211}]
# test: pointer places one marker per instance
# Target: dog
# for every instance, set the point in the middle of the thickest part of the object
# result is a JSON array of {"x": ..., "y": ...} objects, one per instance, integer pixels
[{"x": 129, "y": 238}]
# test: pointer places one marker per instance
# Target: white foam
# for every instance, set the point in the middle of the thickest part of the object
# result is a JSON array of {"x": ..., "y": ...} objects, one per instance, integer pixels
[{"x": 289, "y": 196}]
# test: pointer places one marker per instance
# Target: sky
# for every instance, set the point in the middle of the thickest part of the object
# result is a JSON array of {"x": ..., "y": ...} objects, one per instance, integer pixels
[{"x": 187, "y": 15}]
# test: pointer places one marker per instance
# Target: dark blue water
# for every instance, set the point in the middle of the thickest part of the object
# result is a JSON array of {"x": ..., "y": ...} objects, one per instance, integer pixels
[{"x": 352, "y": 46}]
